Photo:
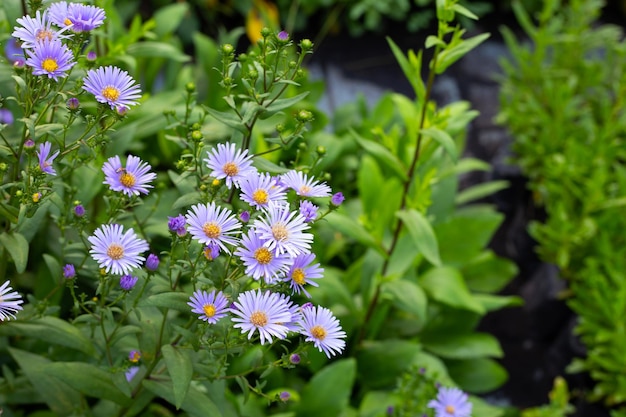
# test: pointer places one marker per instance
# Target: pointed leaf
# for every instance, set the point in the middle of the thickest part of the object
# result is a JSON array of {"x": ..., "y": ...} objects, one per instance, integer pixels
[
  {"x": 445, "y": 284},
  {"x": 479, "y": 191},
  {"x": 407, "y": 296},
  {"x": 174, "y": 300},
  {"x": 156, "y": 50},
  {"x": 422, "y": 233},
  {"x": 464, "y": 346},
  {"x": 444, "y": 139},
  {"x": 451, "y": 55},
  {"x": 328, "y": 392},
  {"x": 51, "y": 330},
  {"x": 196, "y": 403},
  {"x": 381, "y": 154},
  {"x": 283, "y": 103},
  {"x": 17, "y": 246},
  {"x": 351, "y": 228},
  {"x": 180, "y": 369}
]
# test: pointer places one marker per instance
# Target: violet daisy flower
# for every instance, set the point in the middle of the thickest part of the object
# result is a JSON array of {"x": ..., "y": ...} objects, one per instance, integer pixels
[
  {"x": 302, "y": 272},
  {"x": 303, "y": 185},
  {"x": 80, "y": 17},
  {"x": 35, "y": 30},
  {"x": 308, "y": 210},
  {"x": 45, "y": 159},
  {"x": 210, "y": 306},
  {"x": 209, "y": 223},
  {"x": 321, "y": 327},
  {"x": 451, "y": 402},
  {"x": 337, "y": 199},
  {"x": 264, "y": 311},
  {"x": 258, "y": 189},
  {"x": 230, "y": 163},
  {"x": 9, "y": 302},
  {"x": 112, "y": 86},
  {"x": 177, "y": 225},
  {"x": 127, "y": 282},
  {"x": 51, "y": 58},
  {"x": 116, "y": 251},
  {"x": 283, "y": 230},
  {"x": 259, "y": 260},
  {"x": 69, "y": 271},
  {"x": 131, "y": 180}
]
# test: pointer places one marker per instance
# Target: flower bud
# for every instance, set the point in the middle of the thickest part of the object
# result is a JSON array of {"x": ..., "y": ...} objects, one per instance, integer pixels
[
  {"x": 152, "y": 262},
  {"x": 227, "y": 49},
  {"x": 337, "y": 199},
  {"x": 304, "y": 116},
  {"x": 197, "y": 135},
  {"x": 306, "y": 45},
  {"x": 69, "y": 271},
  {"x": 282, "y": 36},
  {"x": 321, "y": 150},
  {"x": 127, "y": 282},
  {"x": 190, "y": 87},
  {"x": 294, "y": 358},
  {"x": 73, "y": 103}
]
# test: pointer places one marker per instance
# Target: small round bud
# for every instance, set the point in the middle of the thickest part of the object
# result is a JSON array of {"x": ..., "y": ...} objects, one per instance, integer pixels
[
  {"x": 36, "y": 197},
  {"x": 244, "y": 216},
  {"x": 18, "y": 65},
  {"x": 181, "y": 164},
  {"x": 203, "y": 187},
  {"x": 190, "y": 87},
  {"x": 3, "y": 167},
  {"x": 29, "y": 144},
  {"x": 215, "y": 183},
  {"x": 292, "y": 64},
  {"x": 243, "y": 57},
  {"x": 196, "y": 135},
  {"x": 280, "y": 128},
  {"x": 321, "y": 150},
  {"x": 227, "y": 81},
  {"x": 6, "y": 117},
  {"x": 304, "y": 116},
  {"x": 253, "y": 74},
  {"x": 227, "y": 49},
  {"x": 127, "y": 282},
  {"x": 79, "y": 210},
  {"x": 284, "y": 396},
  {"x": 19, "y": 193},
  {"x": 69, "y": 271},
  {"x": 294, "y": 358},
  {"x": 282, "y": 36},
  {"x": 91, "y": 56},
  {"x": 302, "y": 146},
  {"x": 265, "y": 32},
  {"x": 73, "y": 103},
  {"x": 152, "y": 262},
  {"x": 337, "y": 199},
  {"x": 300, "y": 73},
  {"x": 306, "y": 44},
  {"x": 195, "y": 126},
  {"x": 121, "y": 110}
]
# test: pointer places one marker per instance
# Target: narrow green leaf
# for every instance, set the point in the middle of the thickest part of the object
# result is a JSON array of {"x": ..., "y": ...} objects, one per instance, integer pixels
[
  {"x": 410, "y": 68},
  {"x": 169, "y": 17},
  {"x": 445, "y": 284},
  {"x": 283, "y": 103},
  {"x": 488, "y": 272},
  {"x": 17, "y": 246},
  {"x": 53, "y": 266},
  {"x": 382, "y": 154},
  {"x": 432, "y": 40},
  {"x": 187, "y": 200},
  {"x": 479, "y": 191},
  {"x": 492, "y": 302},
  {"x": 266, "y": 165},
  {"x": 328, "y": 392},
  {"x": 422, "y": 233},
  {"x": 463, "y": 11},
  {"x": 444, "y": 139},
  {"x": 174, "y": 300},
  {"x": 451, "y": 55},
  {"x": 228, "y": 119},
  {"x": 9, "y": 212},
  {"x": 196, "y": 403},
  {"x": 156, "y": 50},
  {"x": 351, "y": 228},
  {"x": 465, "y": 346},
  {"x": 407, "y": 296},
  {"x": 88, "y": 379},
  {"x": 180, "y": 369}
]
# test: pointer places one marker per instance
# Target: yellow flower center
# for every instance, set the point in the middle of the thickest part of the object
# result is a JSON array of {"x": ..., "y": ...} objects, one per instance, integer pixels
[
  {"x": 215, "y": 182},
  {"x": 211, "y": 230},
  {"x": 135, "y": 356},
  {"x": 230, "y": 169},
  {"x": 43, "y": 34},
  {"x": 298, "y": 276},
  {"x": 318, "y": 332},
  {"x": 280, "y": 232},
  {"x": 263, "y": 256},
  {"x": 450, "y": 409},
  {"x": 209, "y": 310},
  {"x": 127, "y": 179},
  {"x": 258, "y": 318},
  {"x": 305, "y": 189},
  {"x": 49, "y": 65},
  {"x": 260, "y": 196},
  {"x": 110, "y": 93},
  {"x": 115, "y": 251},
  {"x": 67, "y": 21}
]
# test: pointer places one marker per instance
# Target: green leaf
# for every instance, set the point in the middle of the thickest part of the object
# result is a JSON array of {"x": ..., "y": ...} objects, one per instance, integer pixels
[
  {"x": 196, "y": 403},
  {"x": 449, "y": 56},
  {"x": 496, "y": 302},
  {"x": 88, "y": 379},
  {"x": 228, "y": 119},
  {"x": 351, "y": 228},
  {"x": 381, "y": 154},
  {"x": 156, "y": 50},
  {"x": 407, "y": 296},
  {"x": 180, "y": 369},
  {"x": 328, "y": 392},
  {"x": 445, "y": 284},
  {"x": 410, "y": 67},
  {"x": 52, "y": 330},
  {"x": 59, "y": 396},
  {"x": 479, "y": 191},
  {"x": 464, "y": 346},
  {"x": 422, "y": 233},
  {"x": 283, "y": 103},
  {"x": 187, "y": 200},
  {"x": 168, "y": 18},
  {"x": 463, "y": 11},
  {"x": 9, "y": 212},
  {"x": 174, "y": 300},
  {"x": 488, "y": 273},
  {"x": 444, "y": 139},
  {"x": 477, "y": 376},
  {"x": 17, "y": 246},
  {"x": 266, "y": 165}
]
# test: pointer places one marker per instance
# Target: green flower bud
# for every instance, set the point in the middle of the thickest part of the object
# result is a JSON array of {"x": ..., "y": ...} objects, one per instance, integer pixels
[
  {"x": 19, "y": 193},
  {"x": 243, "y": 57},
  {"x": 253, "y": 74},
  {"x": 190, "y": 87},
  {"x": 3, "y": 167},
  {"x": 265, "y": 32},
  {"x": 196, "y": 135},
  {"x": 227, "y": 49},
  {"x": 293, "y": 64},
  {"x": 306, "y": 45},
  {"x": 321, "y": 150},
  {"x": 304, "y": 116},
  {"x": 280, "y": 128},
  {"x": 195, "y": 126}
]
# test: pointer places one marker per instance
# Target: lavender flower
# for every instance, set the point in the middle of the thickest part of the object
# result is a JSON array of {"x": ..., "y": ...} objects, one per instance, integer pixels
[
  {"x": 9, "y": 302},
  {"x": 35, "y": 30},
  {"x": 302, "y": 272},
  {"x": 152, "y": 263},
  {"x": 337, "y": 199},
  {"x": 210, "y": 306},
  {"x": 258, "y": 189},
  {"x": 323, "y": 329},
  {"x": 112, "y": 86},
  {"x": 116, "y": 251},
  {"x": 230, "y": 163},
  {"x": 6, "y": 117},
  {"x": 127, "y": 282},
  {"x": 308, "y": 210},
  {"x": 262, "y": 311},
  {"x": 132, "y": 180},
  {"x": 134, "y": 356},
  {"x": 79, "y": 17},
  {"x": 209, "y": 223},
  {"x": 73, "y": 103},
  {"x": 177, "y": 225},
  {"x": 69, "y": 271},
  {"x": 211, "y": 251},
  {"x": 51, "y": 58},
  {"x": 79, "y": 210},
  {"x": 283, "y": 230},
  {"x": 451, "y": 402},
  {"x": 303, "y": 185},
  {"x": 45, "y": 159},
  {"x": 131, "y": 372},
  {"x": 261, "y": 262}
]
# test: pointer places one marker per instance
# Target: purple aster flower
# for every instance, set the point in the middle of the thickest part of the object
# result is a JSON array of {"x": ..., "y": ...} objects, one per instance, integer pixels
[
  {"x": 209, "y": 223},
  {"x": 303, "y": 185},
  {"x": 79, "y": 210},
  {"x": 230, "y": 163},
  {"x": 283, "y": 36},
  {"x": 260, "y": 261},
  {"x": 69, "y": 271},
  {"x": 35, "y": 30},
  {"x": 284, "y": 396},
  {"x": 337, "y": 199},
  {"x": 262, "y": 311},
  {"x": 12, "y": 50},
  {"x": 6, "y": 117},
  {"x": 127, "y": 282},
  {"x": 323, "y": 329},
  {"x": 292, "y": 325},
  {"x": 177, "y": 225},
  {"x": 451, "y": 402},
  {"x": 210, "y": 306},
  {"x": 9, "y": 302},
  {"x": 112, "y": 86},
  {"x": 132, "y": 180},
  {"x": 116, "y": 251},
  {"x": 131, "y": 372},
  {"x": 308, "y": 210},
  {"x": 45, "y": 159},
  {"x": 80, "y": 17},
  {"x": 211, "y": 251},
  {"x": 259, "y": 189},
  {"x": 134, "y": 356},
  {"x": 51, "y": 58},
  {"x": 283, "y": 230},
  {"x": 152, "y": 262},
  {"x": 302, "y": 272}
]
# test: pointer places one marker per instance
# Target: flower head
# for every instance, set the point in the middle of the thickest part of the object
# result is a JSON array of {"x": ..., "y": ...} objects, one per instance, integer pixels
[
  {"x": 451, "y": 402},
  {"x": 116, "y": 251},
  {"x": 6, "y": 117},
  {"x": 79, "y": 17},
  {"x": 229, "y": 163},
  {"x": 308, "y": 210},
  {"x": 263, "y": 311},
  {"x": 260, "y": 261},
  {"x": 131, "y": 372},
  {"x": 303, "y": 185},
  {"x": 13, "y": 50},
  {"x": 79, "y": 210},
  {"x": 9, "y": 302},
  {"x": 51, "y": 58},
  {"x": 337, "y": 199},
  {"x": 45, "y": 160},
  {"x": 72, "y": 103},
  {"x": 112, "y": 86},
  {"x": 35, "y": 30},
  {"x": 152, "y": 262},
  {"x": 258, "y": 189},
  {"x": 323, "y": 329},
  {"x": 127, "y": 282},
  {"x": 69, "y": 271},
  {"x": 302, "y": 272},
  {"x": 131, "y": 180},
  {"x": 283, "y": 230},
  {"x": 177, "y": 225},
  {"x": 210, "y": 306},
  {"x": 209, "y": 223},
  {"x": 211, "y": 251}
]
